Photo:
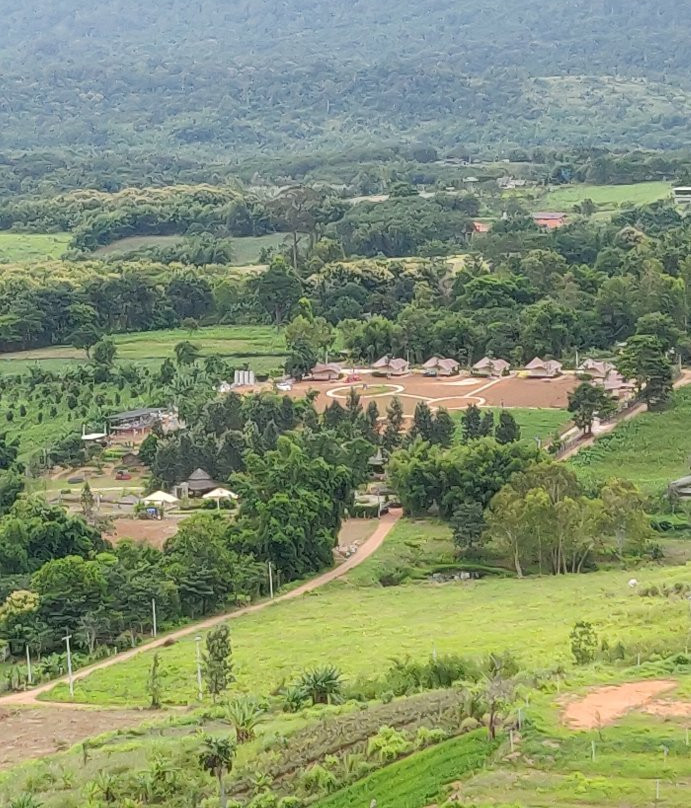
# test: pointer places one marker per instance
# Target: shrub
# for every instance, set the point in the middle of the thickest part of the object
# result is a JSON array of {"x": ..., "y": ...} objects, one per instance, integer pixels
[
  {"x": 244, "y": 713},
  {"x": 387, "y": 745},
  {"x": 294, "y": 698},
  {"x": 583, "y": 642},
  {"x": 428, "y": 737},
  {"x": 317, "y": 780},
  {"x": 322, "y": 685}
]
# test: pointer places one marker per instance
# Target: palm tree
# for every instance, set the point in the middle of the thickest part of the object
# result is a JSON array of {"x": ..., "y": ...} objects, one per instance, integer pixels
[
  {"x": 322, "y": 685},
  {"x": 217, "y": 758},
  {"x": 244, "y": 713}
]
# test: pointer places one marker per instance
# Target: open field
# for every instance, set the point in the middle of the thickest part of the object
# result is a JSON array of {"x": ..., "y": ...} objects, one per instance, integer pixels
[
  {"x": 17, "y": 248},
  {"x": 650, "y": 450},
  {"x": 261, "y": 346},
  {"x": 455, "y": 393},
  {"x": 358, "y": 627},
  {"x": 608, "y": 197}
]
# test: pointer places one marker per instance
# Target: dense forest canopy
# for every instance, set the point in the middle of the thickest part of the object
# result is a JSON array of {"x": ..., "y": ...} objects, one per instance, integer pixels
[{"x": 259, "y": 75}]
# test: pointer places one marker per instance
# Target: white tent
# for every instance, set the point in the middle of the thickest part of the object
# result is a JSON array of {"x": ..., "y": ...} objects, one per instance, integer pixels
[
  {"x": 160, "y": 498},
  {"x": 218, "y": 494}
]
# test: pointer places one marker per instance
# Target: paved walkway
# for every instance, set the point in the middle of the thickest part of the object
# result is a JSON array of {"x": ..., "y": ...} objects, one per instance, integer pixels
[{"x": 375, "y": 541}]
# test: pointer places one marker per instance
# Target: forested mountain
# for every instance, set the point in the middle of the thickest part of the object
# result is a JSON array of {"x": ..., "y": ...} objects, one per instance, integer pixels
[{"x": 252, "y": 76}]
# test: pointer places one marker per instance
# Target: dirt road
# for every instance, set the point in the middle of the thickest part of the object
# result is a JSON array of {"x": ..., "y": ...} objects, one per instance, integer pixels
[{"x": 386, "y": 523}]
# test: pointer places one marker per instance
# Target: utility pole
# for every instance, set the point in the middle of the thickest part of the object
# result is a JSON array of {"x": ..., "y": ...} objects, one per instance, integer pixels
[
  {"x": 29, "y": 677},
  {"x": 271, "y": 582},
  {"x": 197, "y": 641},
  {"x": 67, "y": 639},
  {"x": 153, "y": 616}
]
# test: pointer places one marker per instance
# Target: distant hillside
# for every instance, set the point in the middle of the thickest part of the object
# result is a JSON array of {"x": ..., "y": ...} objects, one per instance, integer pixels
[{"x": 255, "y": 76}]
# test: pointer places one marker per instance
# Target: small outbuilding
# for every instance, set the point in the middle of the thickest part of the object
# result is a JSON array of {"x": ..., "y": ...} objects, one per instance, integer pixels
[{"x": 200, "y": 482}]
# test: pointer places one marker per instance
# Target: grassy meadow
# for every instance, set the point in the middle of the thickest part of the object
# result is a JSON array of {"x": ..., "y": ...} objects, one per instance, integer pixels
[
  {"x": 359, "y": 628},
  {"x": 261, "y": 346},
  {"x": 534, "y": 423},
  {"x": 608, "y": 197},
  {"x": 651, "y": 449},
  {"x": 19, "y": 248}
]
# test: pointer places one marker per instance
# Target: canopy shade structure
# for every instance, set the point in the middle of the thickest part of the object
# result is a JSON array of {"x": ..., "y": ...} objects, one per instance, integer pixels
[
  {"x": 160, "y": 498},
  {"x": 220, "y": 493}
]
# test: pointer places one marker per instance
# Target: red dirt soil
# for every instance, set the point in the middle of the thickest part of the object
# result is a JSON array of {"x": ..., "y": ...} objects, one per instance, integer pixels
[
  {"x": 40, "y": 731},
  {"x": 454, "y": 393},
  {"x": 152, "y": 531},
  {"x": 605, "y": 705}
]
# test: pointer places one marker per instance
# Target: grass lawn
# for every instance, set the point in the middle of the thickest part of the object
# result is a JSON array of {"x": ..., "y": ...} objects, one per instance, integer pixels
[
  {"x": 359, "y": 628},
  {"x": 607, "y": 196},
  {"x": 651, "y": 449},
  {"x": 261, "y": 346},
  {"x": 18, "y": 248},
  {"x": 534, "y": 423},
  {"x": 246, "y": 250}
]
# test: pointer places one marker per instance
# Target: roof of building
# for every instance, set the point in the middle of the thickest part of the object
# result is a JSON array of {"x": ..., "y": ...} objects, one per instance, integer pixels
[
  {"x": 548, "y": 215},
  {"x": 130, "y": 415},
  {"x": 392, "y": 363},
  {"x": 597, "y": 366},
  {"x": 488, "y": 362},
  {"x": 546, "y": 364},
  {"x": 331, "y": 367},
  {"x": 199, "y": 474},
  {"x": 440, "y": 361}
]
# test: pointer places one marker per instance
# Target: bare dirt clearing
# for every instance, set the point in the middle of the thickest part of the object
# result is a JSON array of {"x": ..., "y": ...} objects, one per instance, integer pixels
[
  {"x": 605, "y": 705},
  {"x": 35, "y": 732}
]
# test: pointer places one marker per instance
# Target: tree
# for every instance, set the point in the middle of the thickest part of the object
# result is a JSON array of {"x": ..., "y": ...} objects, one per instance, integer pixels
[
  {"x": 104, "y": 353},
  {"x": 391, "y": 438},
  {"x": 471, "y": 426},
  {"x": 487, "y": 424},
  {"x": 186, "y": 353},
  {"x": 468, "y": 525},
  {"x": 217, "y": 758},
  {"x": 218, "y": 665},
  {"x": 154, "y": 683},
  {"x": 583, "y": 642},
  {"x": 662, "y": 326},
  {"x": 423, "y": 423},
  {"x": 588, "y": 402},
  {"x": 278, "y": 290},
  {"x": 443, "y": 429},
  {"x": 507, "y": 430},
  {"x": 644, "y": 360},
  {"x": 87, "y": 500},
  {"x": 147, "y": 449},
  {"x": 85, "y": 337}
]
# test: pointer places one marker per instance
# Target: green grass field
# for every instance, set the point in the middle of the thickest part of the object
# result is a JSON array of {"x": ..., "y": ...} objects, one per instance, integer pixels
[
  {"x": 151, "y": 347},
  {"x": 607, "y": 196},
  {"x": 360, "y": 628},
  {"x": 17, "y": 248},
  {"x": 651, "y": 449},
  {"x": 534, "y": 423},
  {"x": 246, "y": 249}
]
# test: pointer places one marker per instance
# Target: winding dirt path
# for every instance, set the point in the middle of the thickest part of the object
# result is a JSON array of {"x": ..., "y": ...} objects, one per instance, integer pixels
[{"x": 368, "y": 548}]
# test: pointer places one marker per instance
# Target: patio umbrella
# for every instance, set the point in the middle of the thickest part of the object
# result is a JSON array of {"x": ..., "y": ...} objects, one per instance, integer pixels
[{"x": 218, "y": 494}]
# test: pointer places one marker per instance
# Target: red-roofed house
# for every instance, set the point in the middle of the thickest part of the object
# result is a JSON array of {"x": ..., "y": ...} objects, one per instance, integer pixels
[
  {"x": 481, "y": 227},
  {"x": 491, "y": 367},
  {"x": 549, "y": 220},
  {"x": 596, "y": 369},
  {"x": 543, "y": 368}
]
